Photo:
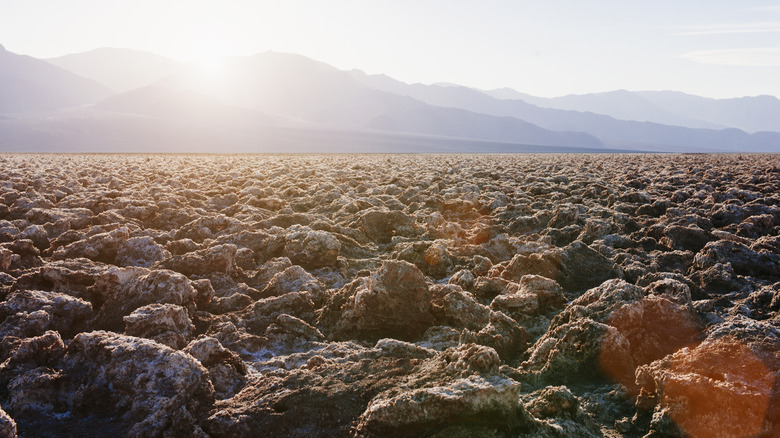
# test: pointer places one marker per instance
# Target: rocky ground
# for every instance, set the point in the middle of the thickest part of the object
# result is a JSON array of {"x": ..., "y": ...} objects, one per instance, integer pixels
[{"x": 449, "y": 296}]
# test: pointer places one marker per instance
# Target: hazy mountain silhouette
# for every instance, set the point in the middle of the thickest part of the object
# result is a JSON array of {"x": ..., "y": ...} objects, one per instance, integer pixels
[
  {"x": 169, "y": 100},
  {"x": 289, "y": 99},
  {"x": 751, "y": 114},
  {"x": 454, "y": 122},
  {"x": 285, "y": 83},
  {"x": 507, "y": 93},
  {"x": 94, "y": 130},
  {"x": 119, "y": 69},
  {"x": 613, "y": 132},
  {"x": 311, "y": 91},
  {"x": 622, "y": 105},
  {"x": 29, "y": 84}
]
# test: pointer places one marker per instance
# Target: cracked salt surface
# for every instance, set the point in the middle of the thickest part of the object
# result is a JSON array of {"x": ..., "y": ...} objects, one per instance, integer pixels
[{"x": 509, "y": 293}]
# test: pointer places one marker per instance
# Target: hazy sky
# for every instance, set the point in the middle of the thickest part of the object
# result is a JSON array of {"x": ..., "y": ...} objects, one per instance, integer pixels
[{"x": 715, "y": 48}]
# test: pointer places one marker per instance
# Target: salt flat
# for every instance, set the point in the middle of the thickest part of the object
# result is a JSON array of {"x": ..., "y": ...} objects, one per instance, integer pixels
[{"x": 390, "y": 295}]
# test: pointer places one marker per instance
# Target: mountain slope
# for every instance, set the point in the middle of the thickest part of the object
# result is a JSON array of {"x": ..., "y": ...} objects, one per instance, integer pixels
[
  {"x": 752, "y": 114},
  {"x": 29, "y": 84},
  {"x": 300, "y": 88},
  {"x": 623, "y": 105},
  {"x": 94, "y": 130},
  {"x": 286, "y": 90},
  {"x": 454, "y": 122},
  {"x": 168, "y": 100},
  {"x": 613, "y": 132},
  {"x": 119, "y": 69}
]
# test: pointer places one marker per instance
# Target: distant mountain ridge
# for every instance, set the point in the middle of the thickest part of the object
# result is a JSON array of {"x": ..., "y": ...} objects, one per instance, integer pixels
[
  {"x": 751, "y": 114},
  {"x": 119, "y": 69},
  {"x": 622, "y": 105},
  {"x": 611, "y": 131},
  {"x": 285, "y": 93},
  {"x": 308, "y": 90},
  {"x": 168, "y": 101},
  {"x": 29, "y": 84}
]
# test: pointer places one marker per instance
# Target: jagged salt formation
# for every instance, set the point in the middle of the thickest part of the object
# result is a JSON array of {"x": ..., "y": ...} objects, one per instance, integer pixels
[{"x": 495, "y": 296}]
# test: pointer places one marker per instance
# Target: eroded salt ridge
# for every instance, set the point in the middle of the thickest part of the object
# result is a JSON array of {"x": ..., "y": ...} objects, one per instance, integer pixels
[{"x": 335, "y": 295}]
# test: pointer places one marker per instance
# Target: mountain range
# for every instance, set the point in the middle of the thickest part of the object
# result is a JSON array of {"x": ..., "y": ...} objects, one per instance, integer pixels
[
  {"x": 120, "y": 100},
  {"x": 29, "y": 84}
]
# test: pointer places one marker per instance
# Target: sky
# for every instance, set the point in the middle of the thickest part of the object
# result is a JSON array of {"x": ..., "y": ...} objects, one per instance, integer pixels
[{"x": 713, "y": 48}]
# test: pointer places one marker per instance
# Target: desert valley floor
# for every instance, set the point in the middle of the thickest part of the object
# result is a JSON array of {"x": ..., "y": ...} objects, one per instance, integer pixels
[{"x": 390, "y": 295}]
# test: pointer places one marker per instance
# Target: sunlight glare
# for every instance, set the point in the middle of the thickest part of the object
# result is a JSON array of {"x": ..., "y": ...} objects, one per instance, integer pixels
[
  {"x": 211, "y": 66},
  {"x": 210, "y": 57}
]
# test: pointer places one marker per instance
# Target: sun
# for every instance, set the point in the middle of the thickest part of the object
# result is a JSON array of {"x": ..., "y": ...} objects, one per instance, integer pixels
[
  {"x": 210, "y": 66},
  {"x": 210, "y": 58},
  {"x": 209, "y": 55},
  {"x": 209, "y": 69}
]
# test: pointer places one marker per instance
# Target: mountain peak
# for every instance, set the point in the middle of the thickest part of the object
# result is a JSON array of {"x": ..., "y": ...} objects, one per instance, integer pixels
[
  {"x": 36, "y": 85},
  {"x": 446, "y": 84}
]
